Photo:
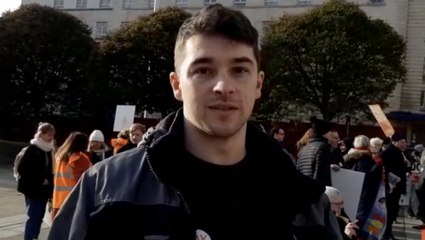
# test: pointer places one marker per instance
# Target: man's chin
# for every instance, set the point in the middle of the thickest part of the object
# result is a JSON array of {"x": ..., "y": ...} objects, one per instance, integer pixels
[{"x": 222, "y": 131}]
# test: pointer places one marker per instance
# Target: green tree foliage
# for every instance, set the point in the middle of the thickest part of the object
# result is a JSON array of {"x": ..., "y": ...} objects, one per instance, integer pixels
[
  {"x": 137, "y": 60},
  {"x": 45, "y": 61},
  {"x": 333, "y": 59}
]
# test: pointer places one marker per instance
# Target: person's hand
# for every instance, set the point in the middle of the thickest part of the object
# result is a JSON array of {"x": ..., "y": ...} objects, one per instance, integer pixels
[
  {"x": 335, "y": 167},
  {"x": 350, "y": 229}
]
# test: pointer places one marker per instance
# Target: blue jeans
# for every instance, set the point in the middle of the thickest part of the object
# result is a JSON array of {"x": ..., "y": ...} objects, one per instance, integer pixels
[{"x": 35, "y": 211}]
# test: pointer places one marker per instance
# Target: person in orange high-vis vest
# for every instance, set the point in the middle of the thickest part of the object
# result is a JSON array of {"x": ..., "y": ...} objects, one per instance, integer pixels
[{"x": 71, "y": 163}]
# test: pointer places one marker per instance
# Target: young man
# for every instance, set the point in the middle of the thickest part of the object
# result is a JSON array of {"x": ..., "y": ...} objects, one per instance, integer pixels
[
  {"x": 137, "y": 130},
  {"x": 205, "y": 173}
]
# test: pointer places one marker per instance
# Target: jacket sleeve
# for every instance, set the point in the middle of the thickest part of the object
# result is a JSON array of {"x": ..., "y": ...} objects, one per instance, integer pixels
[
  {"x": 26, "y": 165},
  {"x": 323, "y": 166},
  {"x": 71, "y": 223}
]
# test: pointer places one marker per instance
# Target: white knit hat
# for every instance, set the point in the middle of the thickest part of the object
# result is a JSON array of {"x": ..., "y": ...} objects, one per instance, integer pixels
[{"x": 97, "y": 135}]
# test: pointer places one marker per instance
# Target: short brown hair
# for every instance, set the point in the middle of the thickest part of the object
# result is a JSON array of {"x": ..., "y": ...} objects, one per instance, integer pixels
[
  {"x": 216, "y": 20},
  {"x": 138, "y": 126}
]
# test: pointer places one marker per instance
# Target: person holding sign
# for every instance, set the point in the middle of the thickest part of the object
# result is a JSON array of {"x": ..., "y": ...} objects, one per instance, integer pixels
[
  {"x": 394, "y": 164},
  {"x": 348, "y": 228}
]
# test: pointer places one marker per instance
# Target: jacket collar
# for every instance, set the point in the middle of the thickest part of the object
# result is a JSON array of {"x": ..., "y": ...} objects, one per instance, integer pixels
[
  {"x": 167, "y": 145},
  {"x": 269, "y": 160},
  {"x": 170, "y": 133}
]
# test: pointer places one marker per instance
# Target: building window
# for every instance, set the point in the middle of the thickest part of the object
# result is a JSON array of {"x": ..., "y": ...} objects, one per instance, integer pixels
[
  {"x": 239, "y": 2},
  {"x": 181, "y": 2},
  {"x": 105, "y": 4},
  {"x": 271, "y": 2},
  {"x": 209, "y": 2},
  {"x": 304, "y": 2},
  {"x": 81, "y": 3},
  {"x": 58, "y": 3},
  {"x": 128, "y": 4},
  {"x": 101, "y": 29},
  {"x": 422, "y": 101},
  {"x": 376, "y": 1}
]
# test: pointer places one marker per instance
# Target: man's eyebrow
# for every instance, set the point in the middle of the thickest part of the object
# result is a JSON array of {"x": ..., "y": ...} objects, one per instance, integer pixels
[
  {"x": 201, "y": 60},
  {"x": 243, "y": 60}
]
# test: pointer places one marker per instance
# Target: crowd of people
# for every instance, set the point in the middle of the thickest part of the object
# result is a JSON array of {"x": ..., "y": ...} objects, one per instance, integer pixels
[
  {"x": 46, "y": 173},
  {"x": 389, "y": 169},
  {"x": 205, "y": 171}
]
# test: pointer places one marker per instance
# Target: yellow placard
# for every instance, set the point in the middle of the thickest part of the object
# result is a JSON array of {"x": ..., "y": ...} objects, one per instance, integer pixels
[{"x": 382, "y": 120}]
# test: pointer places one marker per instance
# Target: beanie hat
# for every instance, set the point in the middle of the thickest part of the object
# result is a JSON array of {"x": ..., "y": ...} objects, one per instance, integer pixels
[
  {"x": 97, "y": 135},
  {"x": 397, "y": 137},
  {"x": 320, "y": 127}
]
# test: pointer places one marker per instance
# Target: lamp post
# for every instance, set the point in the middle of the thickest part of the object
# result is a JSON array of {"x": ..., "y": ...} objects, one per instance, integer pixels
[{"x": 155, "y": 5}]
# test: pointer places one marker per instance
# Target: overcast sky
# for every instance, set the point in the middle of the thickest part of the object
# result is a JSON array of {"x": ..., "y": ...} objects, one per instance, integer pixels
[{"x": 9, "y": 5}]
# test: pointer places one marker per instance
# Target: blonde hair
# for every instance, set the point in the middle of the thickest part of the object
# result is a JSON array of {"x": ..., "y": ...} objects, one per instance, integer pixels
[
  {"x": 332, "y": 192},
  {"x": 305, "y": 138},
  {"x": 361, "y": 141},
  {"x": 43, "y": 128},
  {"x": 376, "y": 142}
]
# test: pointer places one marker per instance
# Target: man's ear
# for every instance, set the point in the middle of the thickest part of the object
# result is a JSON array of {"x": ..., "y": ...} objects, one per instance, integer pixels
[
  {"x": 175, "y": 85},
  {"x": 260, "y": 79}
]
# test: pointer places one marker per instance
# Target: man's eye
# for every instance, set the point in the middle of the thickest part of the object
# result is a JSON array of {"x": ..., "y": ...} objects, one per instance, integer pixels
[
  {"x": 202, "y": 71},
  {"x": 241, "y": 70}
]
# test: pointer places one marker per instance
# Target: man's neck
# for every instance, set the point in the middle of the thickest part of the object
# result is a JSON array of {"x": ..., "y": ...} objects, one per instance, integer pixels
[{"x": 216, "y": 150}]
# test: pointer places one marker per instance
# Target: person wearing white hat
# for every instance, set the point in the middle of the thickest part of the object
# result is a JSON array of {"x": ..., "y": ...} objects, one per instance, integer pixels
[{"x": 97, "y": 147}]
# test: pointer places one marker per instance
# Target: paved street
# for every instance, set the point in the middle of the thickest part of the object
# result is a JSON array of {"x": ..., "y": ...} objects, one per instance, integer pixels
[
  {"x": 12, "y": 208},
  {"x": 12, "y": 213}
]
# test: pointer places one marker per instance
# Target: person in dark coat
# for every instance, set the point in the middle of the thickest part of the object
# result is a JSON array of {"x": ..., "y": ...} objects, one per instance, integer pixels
[
  {"x": 36, "y": 177},
  {"x": 360, "y": 159},
  {"x": 394, "y": 163},
  {"x": 314, "y": 160}
]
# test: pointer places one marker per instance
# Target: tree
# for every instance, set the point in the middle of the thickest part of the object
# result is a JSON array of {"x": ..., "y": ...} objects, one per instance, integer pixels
[
  {"x": 45, "y": 58},
  {"x": 333, "y": 59},
  {"x": 137, "y": 60}
]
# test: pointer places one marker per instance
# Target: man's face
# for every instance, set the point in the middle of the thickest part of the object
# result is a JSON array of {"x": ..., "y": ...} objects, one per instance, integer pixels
[
  {"x": 333, "y": 138},
  {"x": 218, "y": 82},
  {"x": 336, "y": 205},
  {"x": 280, "y": 135},
  {"x": 136, "y": 136},
  {"x": 401, "y": 144},
  {"x": 48, "y": 136}
]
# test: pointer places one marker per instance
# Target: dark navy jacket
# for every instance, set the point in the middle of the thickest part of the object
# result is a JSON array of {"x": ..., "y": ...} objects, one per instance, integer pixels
[{"x": 130, "y": 195}]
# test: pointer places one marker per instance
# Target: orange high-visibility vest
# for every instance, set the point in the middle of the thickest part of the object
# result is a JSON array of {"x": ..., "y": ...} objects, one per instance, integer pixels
[{"x": 66, "y": 176}]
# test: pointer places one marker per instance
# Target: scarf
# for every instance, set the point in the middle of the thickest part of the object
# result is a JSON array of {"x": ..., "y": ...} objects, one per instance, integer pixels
[
  {"x": 100, "y": 153},
  {"x": 43, "y": 145}
]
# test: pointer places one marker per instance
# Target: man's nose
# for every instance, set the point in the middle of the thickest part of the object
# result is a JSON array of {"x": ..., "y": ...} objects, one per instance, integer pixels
[{"x": 224, "y": 86}]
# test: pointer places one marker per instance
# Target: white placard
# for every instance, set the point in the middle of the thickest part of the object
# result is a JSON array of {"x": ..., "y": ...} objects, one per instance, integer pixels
[
  {"x": 124, "y": 117},
  {"x": 350, "y": 184}
]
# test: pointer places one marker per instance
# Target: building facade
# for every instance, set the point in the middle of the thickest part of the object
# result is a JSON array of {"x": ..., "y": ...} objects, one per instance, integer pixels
[{"x": 407, "y": 104}]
